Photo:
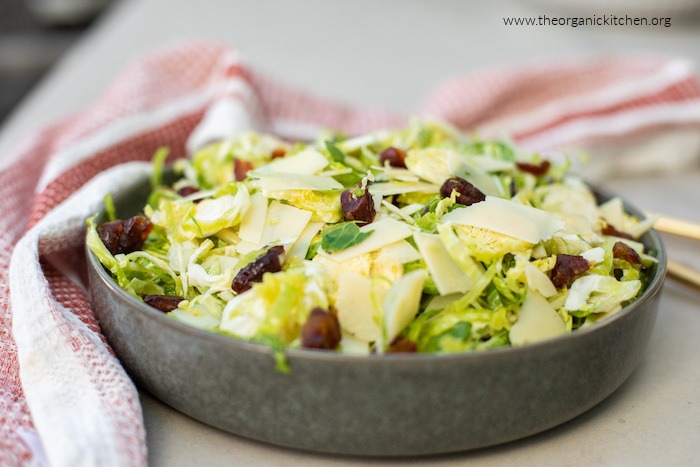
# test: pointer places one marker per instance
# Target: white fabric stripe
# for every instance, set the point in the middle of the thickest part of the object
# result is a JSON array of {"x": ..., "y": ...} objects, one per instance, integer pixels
[
  {"x": 119, "y": 131},
  {"x": 238, "y": 111},
  {"x": 607, "y": 97},
  {"x": 619, "y": 123},
  {"x": 67, "y": 405}
]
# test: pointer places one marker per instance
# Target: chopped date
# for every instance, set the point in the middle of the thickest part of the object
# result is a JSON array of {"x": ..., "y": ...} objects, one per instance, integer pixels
[
  {"x": 402, "y": 344},
  {"x": 357, "y": 208},
  {"x": 621, "y": 250},
  {"x": 321, "y": 330},
  {"x": 270, "y": 261},
  {"x": 567, "y": 268},
  {"x": 109, "y": 233},
  {"x": 611, "y": 230},
  {"x": 134, "y": 234},
  {"x": 241, "y": 169},
  {"x": 125, "y": 236},
  {"x": 278, "y": 153},
  {"x": 534, "y": 169},
  {"x": 187, "y": 191},
  {"x": 394, "y": 156},
  {"x": 164, "y": 303},
  {"x": 467, "y": 194}
]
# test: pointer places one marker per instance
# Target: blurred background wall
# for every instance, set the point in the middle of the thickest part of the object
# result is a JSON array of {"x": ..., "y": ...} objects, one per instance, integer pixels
[{"x": 33, "y": 35}]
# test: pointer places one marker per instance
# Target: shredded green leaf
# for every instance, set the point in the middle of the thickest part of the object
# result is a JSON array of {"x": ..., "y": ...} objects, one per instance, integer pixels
[
  {"x": 341, "y": 236},
  {"x": 110, "y": 210},
  {"x": 158, "y": 164},
  {"x": 336, "y": 154}
]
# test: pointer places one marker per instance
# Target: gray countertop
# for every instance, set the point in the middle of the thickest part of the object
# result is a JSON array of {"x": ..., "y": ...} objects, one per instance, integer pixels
[{"x": 390, "y": 53}]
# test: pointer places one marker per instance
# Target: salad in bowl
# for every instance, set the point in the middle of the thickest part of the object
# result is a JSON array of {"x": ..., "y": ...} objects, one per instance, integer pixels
[{"x": 421, "y": 239}]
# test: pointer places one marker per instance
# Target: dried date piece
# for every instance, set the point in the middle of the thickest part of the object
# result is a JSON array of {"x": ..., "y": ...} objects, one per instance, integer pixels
[
  {"x": 278, "y": 153},
  {"x": 357, "y": 208},
  {"x": 109, "y": 233},
  {"x": 611, "y": 230},
  {"x": 270, "y": 261},
  {"x": 241, "y": 169},
  {"x": 164, "y": 303},
  {"x": 401, "y": 344},
  {"x": 321, "y": 330},
  {"x": 395, "y": 156},
  {"x": 125, "y": 236},
  {"x": 621, "y": 250},
  {"x": 567, "y": 268},
  {"x": 187, "y": 191},
  {"x": 534, "y": 169},
  {"x": 467, "y": 194},
  {"x": 135, "y": 233}
]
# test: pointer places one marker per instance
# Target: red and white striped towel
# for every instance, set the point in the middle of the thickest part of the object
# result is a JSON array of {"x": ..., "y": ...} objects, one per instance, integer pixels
[{"x": 63, "y": 394}]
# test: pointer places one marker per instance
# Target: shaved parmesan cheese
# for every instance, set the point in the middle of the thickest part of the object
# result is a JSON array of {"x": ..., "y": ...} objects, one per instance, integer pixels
[
  {"x": 357, "y": 308},
  {"x": 291, "y": 181},
  {"x": 359, "y": 264},
  {"x": 508, "y": 218},
  {"x": 412, "y": 208},
  {"x": 402, "y": 302},
  {"x": 284, "y": 223},
  {"x": 352, "y": 346},
  {"x": 253, "y": 223},
  {"x": 397, "y": 188},
  {"x": 301, "y": 246},
  {"x": 308, "y": 161},
  {"x": 613, "y": 212},
  {"x": 537, "y": 321},
  {"x": 595, "y": 255},
  {"x": 244, "y": 247},
  {"x": 640, "y": 228},
  {"x": 447, "y": 275},
  {"x": 386, "y": 231},
  {"x": 400, "y": 252},
  {"x": 537, "y": 280}
]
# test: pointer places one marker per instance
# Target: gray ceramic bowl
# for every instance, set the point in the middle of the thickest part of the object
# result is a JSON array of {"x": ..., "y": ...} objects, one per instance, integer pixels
[{"x": 388, "y": 405}]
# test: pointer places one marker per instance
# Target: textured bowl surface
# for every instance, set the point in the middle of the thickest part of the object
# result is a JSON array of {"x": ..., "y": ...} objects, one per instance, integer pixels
[{"x": 389, "y": 405}]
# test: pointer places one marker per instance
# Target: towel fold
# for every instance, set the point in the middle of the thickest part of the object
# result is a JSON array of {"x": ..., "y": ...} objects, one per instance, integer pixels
[{"x": 63, "y": 393}]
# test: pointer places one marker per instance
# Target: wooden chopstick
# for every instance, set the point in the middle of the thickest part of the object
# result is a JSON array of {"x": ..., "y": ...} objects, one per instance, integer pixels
[
  {"x": 683, "y": 273},
  {"x": 682, "y": 228},
  {"x": 676, "y": 226}
]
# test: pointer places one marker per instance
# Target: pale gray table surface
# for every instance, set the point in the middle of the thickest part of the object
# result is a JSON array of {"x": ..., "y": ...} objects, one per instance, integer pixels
[{"x": 390, "y": 53}]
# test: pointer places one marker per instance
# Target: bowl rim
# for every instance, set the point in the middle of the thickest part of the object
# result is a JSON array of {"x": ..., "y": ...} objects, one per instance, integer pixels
[{"x": 654, "y": 287}]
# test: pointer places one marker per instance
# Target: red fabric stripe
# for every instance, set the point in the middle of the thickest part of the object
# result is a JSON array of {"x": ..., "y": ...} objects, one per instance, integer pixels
[{"x": 140, "y": 148}]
